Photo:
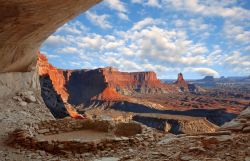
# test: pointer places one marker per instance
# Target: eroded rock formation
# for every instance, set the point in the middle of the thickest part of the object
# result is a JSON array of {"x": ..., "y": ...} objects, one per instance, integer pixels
[
  {"x": 26, "y": 24},
  {"x": 181, "y": 82},
  {"x": 184, "y": 86},
  {"x": 105, "y": 84}
]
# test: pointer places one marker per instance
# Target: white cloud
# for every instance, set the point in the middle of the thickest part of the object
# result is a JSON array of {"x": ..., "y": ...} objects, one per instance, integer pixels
[
  {"x": 123, "y": 16},
  {"x": 150, "y": 3},
  {"x": 153, "y": 3},
  {"x": 116, "y": 5},
  {"x": 114, "y": 44},
  {"x": 208, "y": 8},
  {"x": 99, "y": 20},
  {"x": 145, "y": 22},
  {"x": 236, "y": 33},
  {"x": 55, "y": 40},
  {"x": 198, "y": 49},
  {"x": 238, "y": 62},
  {"x": 205, "y": 71},
  {"x": 151, "y": 44},
  {"x": 91, "y": 41},
  {"x": 247, "y": 48},
  {"x": 119, "y": 6},
  {"x": 136, "y": 1},
  {"x": 69, "y": 50},
  {"x": 75, "y": 27},
  {"x": 168, "y": 46}
]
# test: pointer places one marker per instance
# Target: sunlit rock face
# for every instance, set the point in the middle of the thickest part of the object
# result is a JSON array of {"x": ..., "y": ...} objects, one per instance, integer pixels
[
  {"x": 56, "y": 75},
  {"x": 106, "y": 84},
  {"x": 25, "y": 24}
]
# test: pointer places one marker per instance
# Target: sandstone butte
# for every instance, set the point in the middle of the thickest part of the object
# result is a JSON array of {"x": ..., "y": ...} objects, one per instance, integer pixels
[
  {"x": 103, "y": 83},
  {"x": 180, "y": 82}
]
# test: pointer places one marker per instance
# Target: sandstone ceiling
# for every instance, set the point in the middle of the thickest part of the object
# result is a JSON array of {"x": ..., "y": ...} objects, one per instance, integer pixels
[{"x": 25, "y": 24}]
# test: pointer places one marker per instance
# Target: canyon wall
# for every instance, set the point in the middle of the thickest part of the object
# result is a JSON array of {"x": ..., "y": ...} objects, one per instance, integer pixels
[{"x": 105, "y": 84}]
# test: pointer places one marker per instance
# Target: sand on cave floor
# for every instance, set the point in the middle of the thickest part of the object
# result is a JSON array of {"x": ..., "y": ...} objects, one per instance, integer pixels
[{"x": 83, "y": 135}]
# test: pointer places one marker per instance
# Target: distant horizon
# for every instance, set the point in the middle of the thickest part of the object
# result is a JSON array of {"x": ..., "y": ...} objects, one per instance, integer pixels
[
  {"x": 197, "y": 38},
  {"x": 155, "y": 72}
]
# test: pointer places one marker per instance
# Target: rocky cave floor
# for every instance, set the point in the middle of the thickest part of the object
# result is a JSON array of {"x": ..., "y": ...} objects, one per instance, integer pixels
[{"x": 26, "y": 108}]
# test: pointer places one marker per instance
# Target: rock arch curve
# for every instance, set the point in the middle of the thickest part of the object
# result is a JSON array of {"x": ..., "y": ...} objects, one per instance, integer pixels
[{"x": 25, "y": 24}]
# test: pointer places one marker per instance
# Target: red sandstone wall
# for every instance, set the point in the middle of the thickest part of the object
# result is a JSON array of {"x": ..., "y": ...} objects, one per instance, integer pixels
[
  {"x": 77, "y": 86},
  {"x": 56, "y": 75},
  {"x": 124, "y": 79}
]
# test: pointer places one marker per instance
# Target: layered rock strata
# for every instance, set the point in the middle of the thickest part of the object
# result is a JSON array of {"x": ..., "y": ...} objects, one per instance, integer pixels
[
  {"x": 104, "y": 84},
  {"x": 26, "y": 24}
]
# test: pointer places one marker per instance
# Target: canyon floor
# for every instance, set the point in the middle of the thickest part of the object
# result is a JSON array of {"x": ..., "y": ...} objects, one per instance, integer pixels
[
  {"x": 229, "y": 144},
  {"x": 129, "y": 117}
]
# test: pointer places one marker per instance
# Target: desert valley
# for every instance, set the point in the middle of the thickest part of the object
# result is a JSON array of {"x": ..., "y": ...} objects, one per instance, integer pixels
[{"x": 107, "y": 112}]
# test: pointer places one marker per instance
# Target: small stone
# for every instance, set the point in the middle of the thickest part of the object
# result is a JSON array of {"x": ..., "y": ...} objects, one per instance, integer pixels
[
  {"x": 22, "y": 103},
  {"x": 232, "y": 125},
  {"x": 246, "y": 129},
  {"x": 176, "y": 155},
  {"x": 131, "y": 150},
  {"x": 168, "y": 139},
  {"x": 186, "y": 158},
  {"x": 124, "y": 138},
  {"x": 17, "y": 98},
  {"x": 245, "y": 113},
  {"x": 224, "y": 138},
  {"x": 155, "y": 153},
  {"x": 42, "y": 131},
  {"x": 247, "y": 159},
  {"x": 42, "y": 153},
  {"x": 30, "y": 99},
  {"x": 201, "y": 149}
]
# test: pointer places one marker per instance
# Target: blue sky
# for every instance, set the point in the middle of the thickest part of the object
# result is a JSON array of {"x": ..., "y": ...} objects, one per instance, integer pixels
[{"x": 195, "y": 37}]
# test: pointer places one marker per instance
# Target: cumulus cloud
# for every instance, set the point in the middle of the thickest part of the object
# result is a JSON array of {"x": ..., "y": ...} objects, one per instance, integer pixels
[
  {"x": 238, "y": 62},
  {"x": 136, "y": 1},
  {"x": 119, "y": 6},
  {"x": 153, "y": 3},
  {"x": 55, "y": 40},
  {"x": 69, "y": 50},
  {"x": 164, "y": 45},
  {"x": 208, "y": 8},
  {"x": 92, "y": 41},
  {"x": 123, "y": 16},
  {"x": 150, "y": 3},
  {"x": 99, "y": 20},
  {"x": 145, "y": 22},
  {"x": 236, "y": 33},
  {"x": 75, "y": 27},
  {"x": 116, "y": 5}
]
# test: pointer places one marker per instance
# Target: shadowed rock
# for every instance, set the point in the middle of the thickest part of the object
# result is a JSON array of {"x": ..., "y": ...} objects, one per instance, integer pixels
[{"x": 25, "y": 24}]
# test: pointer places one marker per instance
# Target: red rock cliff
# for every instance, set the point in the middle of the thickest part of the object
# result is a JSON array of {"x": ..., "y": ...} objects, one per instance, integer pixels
[
  {"x": 124, "y": 79},
  {"x": 106, "y": 84},
  {"x": 56, "y": 76}
]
